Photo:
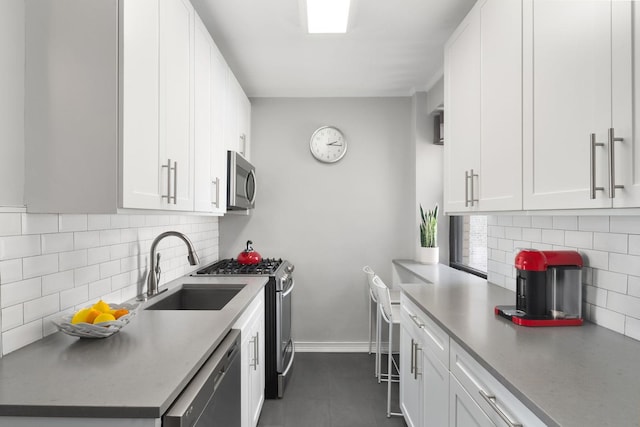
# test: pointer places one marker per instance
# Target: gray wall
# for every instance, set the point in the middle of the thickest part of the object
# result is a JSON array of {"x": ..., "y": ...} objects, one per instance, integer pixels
[{"x": 330, "y": 220}]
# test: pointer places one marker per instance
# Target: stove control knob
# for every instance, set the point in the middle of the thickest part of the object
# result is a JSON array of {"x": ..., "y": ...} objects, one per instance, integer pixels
[{"x": 289, "y": 268}]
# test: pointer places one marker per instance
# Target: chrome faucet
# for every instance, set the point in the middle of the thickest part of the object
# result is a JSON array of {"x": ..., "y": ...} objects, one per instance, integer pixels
[{"x": 154, "y": 270}]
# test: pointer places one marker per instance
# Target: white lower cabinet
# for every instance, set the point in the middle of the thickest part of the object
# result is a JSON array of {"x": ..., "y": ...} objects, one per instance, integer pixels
[
  {"x": 251, "y": 325},
  {"x": 424, "y": 379},
  {"x": 442, "y": 385}
]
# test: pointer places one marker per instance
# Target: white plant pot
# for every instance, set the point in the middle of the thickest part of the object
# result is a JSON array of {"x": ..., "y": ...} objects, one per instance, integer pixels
[{"x": 428, "y": 255}]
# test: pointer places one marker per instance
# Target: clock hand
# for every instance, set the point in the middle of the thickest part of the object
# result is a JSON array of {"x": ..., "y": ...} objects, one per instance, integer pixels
[{"x": 334, "y": 143}]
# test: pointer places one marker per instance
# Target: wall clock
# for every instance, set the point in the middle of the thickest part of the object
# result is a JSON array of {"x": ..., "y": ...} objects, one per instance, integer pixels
[{"x": 328, "y": 144}]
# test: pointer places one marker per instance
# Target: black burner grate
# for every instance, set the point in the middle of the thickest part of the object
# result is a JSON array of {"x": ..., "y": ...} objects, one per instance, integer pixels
[{"x": 232, "y": 266}]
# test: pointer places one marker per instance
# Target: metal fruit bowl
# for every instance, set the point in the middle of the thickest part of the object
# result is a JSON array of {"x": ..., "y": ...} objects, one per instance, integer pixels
[{"x": 101, "y": 330}]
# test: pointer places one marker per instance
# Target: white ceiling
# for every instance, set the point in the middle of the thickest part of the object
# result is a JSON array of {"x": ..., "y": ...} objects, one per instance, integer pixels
[{"x": 392, "y": 48}]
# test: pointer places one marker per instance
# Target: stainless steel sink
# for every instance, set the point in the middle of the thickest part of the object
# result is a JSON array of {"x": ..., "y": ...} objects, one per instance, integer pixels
[{"x": 197, "y": 297}]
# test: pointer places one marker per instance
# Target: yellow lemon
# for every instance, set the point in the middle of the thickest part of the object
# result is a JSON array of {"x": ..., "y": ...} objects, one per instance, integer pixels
[
  {"x": 102, "y": 307},
  {"x": 104, "y": 317},
  {"x": 80, "y": 316}
]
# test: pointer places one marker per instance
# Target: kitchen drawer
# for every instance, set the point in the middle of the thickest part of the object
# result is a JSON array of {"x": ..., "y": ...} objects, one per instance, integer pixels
[
  {"x": 431, "y": 335},
  {"x": 490, "y": 395}
]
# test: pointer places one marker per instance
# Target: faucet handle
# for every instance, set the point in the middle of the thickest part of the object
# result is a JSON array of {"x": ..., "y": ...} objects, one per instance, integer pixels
[{"x": 157, "y": 269}]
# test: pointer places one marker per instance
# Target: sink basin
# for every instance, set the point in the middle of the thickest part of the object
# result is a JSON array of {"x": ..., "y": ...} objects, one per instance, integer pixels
[{"x": 197, "y": 297}]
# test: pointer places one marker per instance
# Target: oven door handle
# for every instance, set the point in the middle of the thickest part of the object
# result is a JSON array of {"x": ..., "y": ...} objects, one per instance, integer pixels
[
  {"x": 293, "y": 353},
  {"x": 288, "y": 291}
]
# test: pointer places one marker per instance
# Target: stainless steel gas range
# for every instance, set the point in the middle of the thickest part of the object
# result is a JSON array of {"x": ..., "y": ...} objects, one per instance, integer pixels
[{"x": 279, "y": 347}]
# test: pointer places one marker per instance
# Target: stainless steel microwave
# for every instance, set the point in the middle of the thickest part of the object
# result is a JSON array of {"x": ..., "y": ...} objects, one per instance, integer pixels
[{"x": 241, "y": 182}]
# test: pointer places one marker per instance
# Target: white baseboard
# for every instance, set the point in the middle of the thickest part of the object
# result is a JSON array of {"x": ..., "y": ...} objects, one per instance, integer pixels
[{"x": 335, "y": 347}]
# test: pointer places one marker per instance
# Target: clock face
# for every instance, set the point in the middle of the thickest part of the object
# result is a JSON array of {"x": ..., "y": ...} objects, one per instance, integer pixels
[{"x": 328, "y": 144}]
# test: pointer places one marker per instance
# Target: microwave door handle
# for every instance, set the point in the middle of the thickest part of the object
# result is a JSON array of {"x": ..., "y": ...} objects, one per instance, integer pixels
[{"x": 246, "y": 186}]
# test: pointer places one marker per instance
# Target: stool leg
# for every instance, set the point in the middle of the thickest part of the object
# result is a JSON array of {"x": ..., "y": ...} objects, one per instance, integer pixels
[
  {"x": 370, "y": 325},
  {"x": 389, "y": 370},
  {"x": 378, "y": 346}
]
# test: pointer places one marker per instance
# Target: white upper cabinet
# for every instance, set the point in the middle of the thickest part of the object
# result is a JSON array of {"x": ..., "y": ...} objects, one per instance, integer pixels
[
  {"x": 113, "y": 120},
  {"x": 483, "y": 86},
  {"x": 238, "y": 119},
  {"x": 567, "y": 97},
  {"x": 210, "y": 154}
]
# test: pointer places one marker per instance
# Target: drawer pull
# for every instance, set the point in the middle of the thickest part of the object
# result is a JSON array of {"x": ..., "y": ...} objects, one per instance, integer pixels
[
  {"x": 415, "y": 320},
  {"x": 413, "y": 355},
  {"x": 491, "y": 400}
]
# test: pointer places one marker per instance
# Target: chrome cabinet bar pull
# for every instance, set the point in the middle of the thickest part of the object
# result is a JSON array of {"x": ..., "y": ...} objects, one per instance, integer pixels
[
  {"x": 491, "y": 400},
  {"x": 257, "y": 350},
  {"x": 168, "y": 166},
  {"x": 466, "y": 189},
  {"x": 473, "y": 199},
  {"x": 175, "y": 183},
  {"x": 592, "y": 161},
  {"x": 217, "y": 192},
  {"x": 612, "y": 163},
  {"x": 412, "y": 357},
  {"x": 415, "y": 358}
]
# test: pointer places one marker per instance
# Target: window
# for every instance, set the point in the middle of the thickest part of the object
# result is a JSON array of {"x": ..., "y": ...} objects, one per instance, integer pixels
[{"x": 468, "y": 244}]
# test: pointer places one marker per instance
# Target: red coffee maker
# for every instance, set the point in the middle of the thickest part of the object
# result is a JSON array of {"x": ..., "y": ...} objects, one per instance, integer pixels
[{"x": 548, "y": 289}]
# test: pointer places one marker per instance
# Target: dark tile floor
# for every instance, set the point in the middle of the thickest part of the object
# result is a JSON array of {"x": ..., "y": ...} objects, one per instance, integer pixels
[{"x": 332, "y": 390}]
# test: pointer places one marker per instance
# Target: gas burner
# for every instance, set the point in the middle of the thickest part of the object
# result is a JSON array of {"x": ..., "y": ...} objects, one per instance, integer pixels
[{"x": 232, "y": 266}]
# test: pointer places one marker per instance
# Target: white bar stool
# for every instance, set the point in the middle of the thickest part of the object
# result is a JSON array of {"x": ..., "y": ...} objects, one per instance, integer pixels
[
  {"x": 395, "y": 299},
  {"x": 390, "y": 313}
]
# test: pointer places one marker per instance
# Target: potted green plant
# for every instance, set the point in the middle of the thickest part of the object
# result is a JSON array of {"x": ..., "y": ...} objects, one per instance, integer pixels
[{"x": 428, "y": 253}]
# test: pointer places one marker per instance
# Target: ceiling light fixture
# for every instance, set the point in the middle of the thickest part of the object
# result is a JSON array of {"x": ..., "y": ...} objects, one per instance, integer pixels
[{"x": 327, "y": 16}]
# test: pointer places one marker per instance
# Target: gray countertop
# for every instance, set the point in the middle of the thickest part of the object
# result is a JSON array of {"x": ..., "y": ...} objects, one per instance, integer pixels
[
  {"x": 568, "y": 376},
  {"x": 136, "y": 373}
]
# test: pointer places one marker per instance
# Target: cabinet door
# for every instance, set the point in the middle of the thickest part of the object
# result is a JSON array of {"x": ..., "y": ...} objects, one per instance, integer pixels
[
  {"x": 256, "y": 375},
  {"x": 463, "y": 410},
  {"x": 410, "y": 383},
  {"x": 626, "y": 101},
  {"x": 176, "y": 99},
  {"x": 462, "y": 104},
  {"x": 232, "y": 129},
  {"x": 500, "y": 175},
  {"x": 142, "y": 184},
  {"x": 244, "y": 127},
  {"x": 435, "y": 378},
  {"x": 219, "y": 150},
  {"x": 567, "y": 96},
  {"x": 204, "y": 188}
]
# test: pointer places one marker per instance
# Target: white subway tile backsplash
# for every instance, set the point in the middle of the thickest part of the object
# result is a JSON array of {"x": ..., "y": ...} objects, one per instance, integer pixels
[
  {"x": 55, "y": 263},
  {"x": 624, "y": 304},
  {"x": 505, "y": 245},
  {"x": 73, "y": 259},
  {"x": 541, "y": 246},
  {"x": 595, "y": 259},
  {"x": 523, "y": 221},
  {"x": 22, "y": 335},
  {"x": 532, "y": 234},
  {"x": 593, "y": 223},
  {"x": 12, "y": 317},
  {"x": 10, "y": 271},
  {"x": 18, "y": 292},
  {"x": 99, "y": 288},
  {"x": 98, "y": 255},
  {"x": 542, "y": 222},
  {"x": 39, "y": 223},
  {"x": 98, "y": 222},
  {"x": 596, "y": 296},
  {"x": 555, "y": 237},
  {"x": 609, "y": 280},
  {"x": 579, "y": 239},
  {"x": 10, "y": 224},
  {"x": 39, "y": 265},
  {"x": 607, "y": 318},
  {"x": 514, "y": 233},
  {"x": 496, "y": 231},
  {"x": 633, "y": 286},
  {"x": 57, "y": 242},
  {"x": 505, "y": 220},
  {"x": 632, "y": 328},
  {"x": 41, "y": 307},
  {"x": 634, "y": 244},
  {"x": 72, "y": 222},
  {"x": 627, "y": 264},
  {"x": 19, "y": 246},
  {"x": 73, "y": 297},
  {"x": 610, "y": 242},
  {"x": 624, "y": 224},
  {"x": 86, "y": 239},
  {"x": 565, "y": 222},
  {"x": 55, "y": 283}
]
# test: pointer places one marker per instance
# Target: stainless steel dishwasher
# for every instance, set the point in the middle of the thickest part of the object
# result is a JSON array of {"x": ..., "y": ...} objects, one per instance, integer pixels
[{"x": 212, "y": 398}]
